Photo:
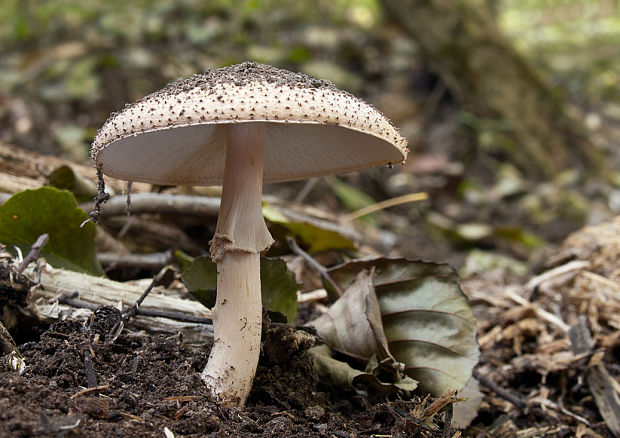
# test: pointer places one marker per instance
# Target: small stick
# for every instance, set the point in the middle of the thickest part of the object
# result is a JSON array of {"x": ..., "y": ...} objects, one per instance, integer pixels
[
  {"x": 399, "y": 413},
  {"x": 146, "y": 261},
  {"x": 115, "y": 331},
  {"x": 35, "y": 250},
  {"x": 184, "y": 398},
  {"x": 132, "y": 417},
  {"x": 125, "y": 228},
  {"x": 543, "y": 314},
  {"x": 70, "y": 300},
  {"x": 604, "y": 281},
  {"x": 101, "y": 198},
  {"x": 89, "y": 391},
  {"x": 558, "y": 407},
  {"x": 322, "y": 270},
  {"x": 177, "y": 316},
  {"x": 315, "y": 295},
  {"x": 411, "y": 197},
  {"x": 156, "y": 281},
  {"x": 129, "y": 184},
  {"x": 503, "y": 393},
  {"x": 160, "y": 203},
  {"x": 306, "y": 189},
  {"x": 571, "y": 268}
]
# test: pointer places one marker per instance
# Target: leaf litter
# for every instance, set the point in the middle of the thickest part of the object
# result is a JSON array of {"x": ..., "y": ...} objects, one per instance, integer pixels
[
  {"x": 536, "y": 379},
  {"x": 551, "y": 344}
]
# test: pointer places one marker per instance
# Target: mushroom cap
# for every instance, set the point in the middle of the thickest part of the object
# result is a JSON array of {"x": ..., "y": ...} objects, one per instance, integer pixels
[{"x": 177, "y": 135}]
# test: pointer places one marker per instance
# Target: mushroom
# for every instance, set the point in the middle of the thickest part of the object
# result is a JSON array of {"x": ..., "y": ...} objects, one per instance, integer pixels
[{"x": 238, "y": 126}]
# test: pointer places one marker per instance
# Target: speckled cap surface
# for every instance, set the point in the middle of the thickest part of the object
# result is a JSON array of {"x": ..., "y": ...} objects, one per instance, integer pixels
[{"x": 178, "y": 135}]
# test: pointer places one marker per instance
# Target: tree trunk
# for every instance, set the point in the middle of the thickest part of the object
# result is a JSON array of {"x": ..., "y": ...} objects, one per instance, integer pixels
[{"x": 460, "y": 39}]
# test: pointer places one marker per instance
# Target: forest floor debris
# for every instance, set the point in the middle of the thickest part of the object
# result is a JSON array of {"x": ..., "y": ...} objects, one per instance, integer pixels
[{"x": 537, "y": 377}]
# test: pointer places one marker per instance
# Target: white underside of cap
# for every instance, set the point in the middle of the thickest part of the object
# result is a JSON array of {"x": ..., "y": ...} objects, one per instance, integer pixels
[{"x": 195, "y": 154}]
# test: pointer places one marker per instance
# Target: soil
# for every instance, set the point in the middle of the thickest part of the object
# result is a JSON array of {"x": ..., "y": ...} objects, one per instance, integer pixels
[{"x": 79, "y": 384}]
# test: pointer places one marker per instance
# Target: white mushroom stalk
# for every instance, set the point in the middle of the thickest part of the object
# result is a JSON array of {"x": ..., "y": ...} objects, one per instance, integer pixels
[{"x": 240, "y": 236}]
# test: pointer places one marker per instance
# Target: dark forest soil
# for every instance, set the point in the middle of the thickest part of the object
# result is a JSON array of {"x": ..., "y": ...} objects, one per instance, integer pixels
[{"x": 77, "y": 384}]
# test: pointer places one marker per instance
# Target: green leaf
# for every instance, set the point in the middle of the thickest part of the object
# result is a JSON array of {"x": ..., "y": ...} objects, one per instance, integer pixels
[
  {"x": 65, "y": 178},
  {"x": 278, "y": 285},
  {"x": 352, "y": 198},
  {"x": 201, "y": 280},
  {"x": 339, "y": 373},
  {"x": 316, "y": 238},
  {"x": 28, "y": 214},
  {"x": 319, "y": 239},
  {"x": 426, "y": 318},
  {"x": 185, "y": 260},
  {"x": 519, "y": 235}
]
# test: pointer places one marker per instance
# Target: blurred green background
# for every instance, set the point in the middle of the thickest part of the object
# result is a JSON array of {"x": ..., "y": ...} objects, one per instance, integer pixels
[{"x": 65, "y": 64}]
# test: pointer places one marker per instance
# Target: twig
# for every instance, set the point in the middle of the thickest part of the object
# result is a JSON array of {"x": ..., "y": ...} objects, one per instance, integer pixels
[
  {"x": 71, "y": 300},
  {"x": 549, "y": 317},
  {"x": 145, "y": 261},
  {"x": 603, "y": 281},
  {"x": 35, "y": 250},
  {"x": 101, "y": 198},
  {"x": 102, "y": 291},
  {"x": 125, "y": 228},
  {"x": 159, "y": 203},
  {"x": 554, "y": 273},
  {"x": 129, "y": 184},
  {"x": 411, "y": 197},
  {"x": 400, "y": 414},
  {"x": 315, "y": 295},
  {"x": 115, "y": 331},
  {"x": 89, "y": 391},
  {"x": 177, "y": 316},
  {"x": 503, "y": 393},
  {"x": 322, "y": 270},
  {"x": 200, "y": 206},
  {"x": 306, "y": 189},
  {"x": 157, "y": 279},
  {"x": 556, "y": 407}
]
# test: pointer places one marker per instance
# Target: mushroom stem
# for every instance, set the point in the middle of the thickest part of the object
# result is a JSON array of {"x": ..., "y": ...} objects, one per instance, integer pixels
[{"x": 240, "y": 236}]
